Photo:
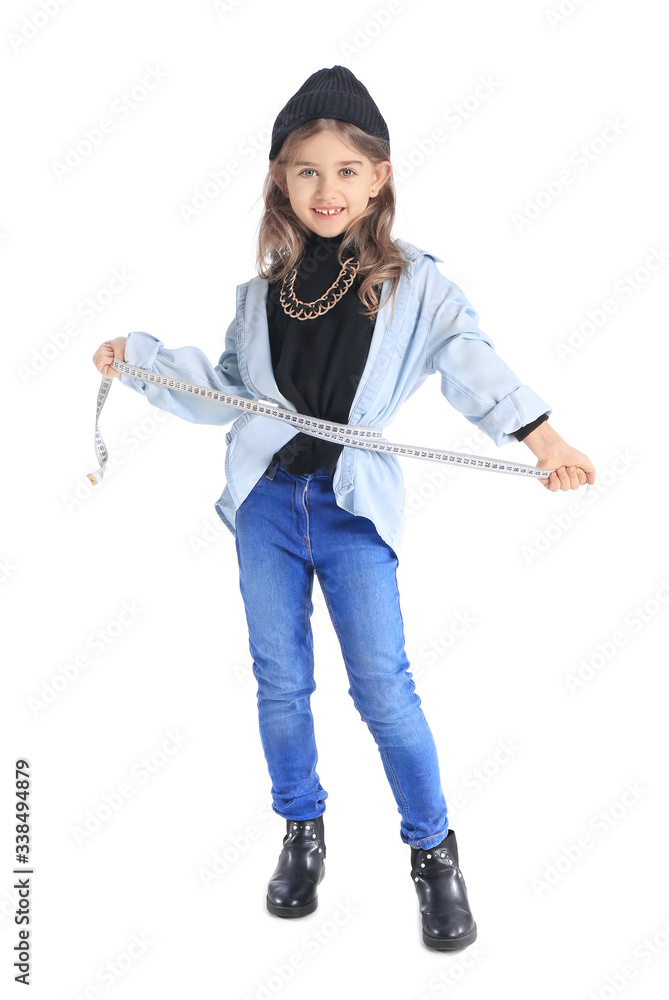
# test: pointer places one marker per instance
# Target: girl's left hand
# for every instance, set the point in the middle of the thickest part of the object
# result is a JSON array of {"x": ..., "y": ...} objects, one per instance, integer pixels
[{"x": 573, "y": 469}]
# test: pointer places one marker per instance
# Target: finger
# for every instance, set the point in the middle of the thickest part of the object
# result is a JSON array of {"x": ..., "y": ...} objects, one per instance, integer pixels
[
  {"x": 573, "y": 477},
  {"x": 587, "y": 473},
  {"x": 563, "y": 479}
]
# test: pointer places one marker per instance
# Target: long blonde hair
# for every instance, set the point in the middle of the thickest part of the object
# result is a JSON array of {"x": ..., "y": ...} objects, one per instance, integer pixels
[{"x": 282, "y": 236}]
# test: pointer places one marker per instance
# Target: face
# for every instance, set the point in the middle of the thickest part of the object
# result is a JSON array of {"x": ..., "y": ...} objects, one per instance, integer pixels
[{"x": 331, "y": 175}]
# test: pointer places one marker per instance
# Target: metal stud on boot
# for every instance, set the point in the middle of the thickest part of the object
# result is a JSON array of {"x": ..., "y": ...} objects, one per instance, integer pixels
[
  {"x": 292, "y": 889},
  {"x": 448, "y": 924}
]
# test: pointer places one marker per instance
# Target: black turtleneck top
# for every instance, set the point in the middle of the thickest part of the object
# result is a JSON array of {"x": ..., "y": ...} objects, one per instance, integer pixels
[{"x": 317, "y": 363}]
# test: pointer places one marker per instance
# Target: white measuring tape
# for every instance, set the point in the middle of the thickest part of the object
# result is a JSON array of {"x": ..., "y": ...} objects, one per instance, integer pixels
[{"x": 347, "y": 434}]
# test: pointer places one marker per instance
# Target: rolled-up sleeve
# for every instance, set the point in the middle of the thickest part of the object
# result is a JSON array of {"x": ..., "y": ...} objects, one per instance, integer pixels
[
  {"x": 187, "y": 364},
  {"x": 474, "y": 379}
]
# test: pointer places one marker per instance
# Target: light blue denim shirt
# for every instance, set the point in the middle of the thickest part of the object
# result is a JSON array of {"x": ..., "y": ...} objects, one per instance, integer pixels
[{"x": 434, "y": 328}]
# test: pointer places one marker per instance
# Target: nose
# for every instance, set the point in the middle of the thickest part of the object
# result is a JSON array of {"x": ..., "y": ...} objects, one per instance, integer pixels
[{"x": 327, "y": 187}]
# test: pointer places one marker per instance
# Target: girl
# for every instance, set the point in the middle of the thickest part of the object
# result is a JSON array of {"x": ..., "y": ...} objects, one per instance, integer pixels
[{"x": 344, "y": 323}]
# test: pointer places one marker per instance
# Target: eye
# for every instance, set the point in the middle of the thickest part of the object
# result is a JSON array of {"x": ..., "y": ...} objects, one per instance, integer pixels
[{"x": 311, "y": 170}]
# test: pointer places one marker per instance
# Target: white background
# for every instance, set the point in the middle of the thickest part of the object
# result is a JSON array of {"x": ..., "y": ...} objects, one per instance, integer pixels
[{"x": 550, "y": 582}]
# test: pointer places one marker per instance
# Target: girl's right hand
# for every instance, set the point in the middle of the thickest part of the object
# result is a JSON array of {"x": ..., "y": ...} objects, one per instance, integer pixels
[{"x": 106, "y": 353}]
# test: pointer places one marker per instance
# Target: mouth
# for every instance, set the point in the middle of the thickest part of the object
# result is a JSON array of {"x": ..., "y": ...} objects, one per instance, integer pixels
[{"x": 328, "y": 213}]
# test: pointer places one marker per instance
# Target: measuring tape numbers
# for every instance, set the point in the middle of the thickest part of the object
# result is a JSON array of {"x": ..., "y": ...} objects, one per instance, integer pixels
[{"x": 346, "y": 434}]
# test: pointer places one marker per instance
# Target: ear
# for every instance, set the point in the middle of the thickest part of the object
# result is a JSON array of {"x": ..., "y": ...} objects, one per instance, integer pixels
[{"x": 382, "y": 172}]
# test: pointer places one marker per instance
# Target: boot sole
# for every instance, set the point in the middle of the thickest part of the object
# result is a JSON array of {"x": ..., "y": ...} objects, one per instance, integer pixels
[
  {"x": 450, "y": 944},
  {"x": 291, "y": 911}
]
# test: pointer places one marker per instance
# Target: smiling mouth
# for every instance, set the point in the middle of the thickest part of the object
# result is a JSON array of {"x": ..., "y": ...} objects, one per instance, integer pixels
[{"x": 328, "y": 213}]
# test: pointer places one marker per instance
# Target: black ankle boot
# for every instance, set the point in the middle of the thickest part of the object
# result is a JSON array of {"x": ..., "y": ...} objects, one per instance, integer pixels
[
  {"x": 448, "y": 923},
  {"x": 292, "y": 889}
]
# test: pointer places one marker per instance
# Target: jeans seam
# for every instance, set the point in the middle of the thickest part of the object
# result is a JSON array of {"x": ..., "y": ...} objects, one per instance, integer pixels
[
  {"x": 305, "y": 504},
  {"x": 420, "y": 843},
  {"x": 310, "y": 642},
  {"x": 293, "y": 489}
]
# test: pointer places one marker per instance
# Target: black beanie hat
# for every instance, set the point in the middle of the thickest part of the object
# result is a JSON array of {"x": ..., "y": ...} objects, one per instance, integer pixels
[{"x": 330, "y": 93}]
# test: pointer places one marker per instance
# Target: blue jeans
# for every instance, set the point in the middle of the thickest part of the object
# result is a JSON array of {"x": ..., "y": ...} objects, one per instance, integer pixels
[{"x": 287, "y": 527}]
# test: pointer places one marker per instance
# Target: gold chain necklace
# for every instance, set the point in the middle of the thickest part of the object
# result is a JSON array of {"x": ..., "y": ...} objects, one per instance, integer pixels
[{"x": 311, "y": 310}]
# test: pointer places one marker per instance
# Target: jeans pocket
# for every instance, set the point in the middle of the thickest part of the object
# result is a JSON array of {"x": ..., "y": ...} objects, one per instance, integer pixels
[
  {"x": 256, "y": 490},
  {"x": 262, "y": 481}
]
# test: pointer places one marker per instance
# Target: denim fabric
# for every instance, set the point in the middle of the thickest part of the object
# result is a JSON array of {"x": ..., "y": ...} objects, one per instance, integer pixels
[
  {"x": 287, "y": 528},
  {"x": 431, "y": 328}
]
